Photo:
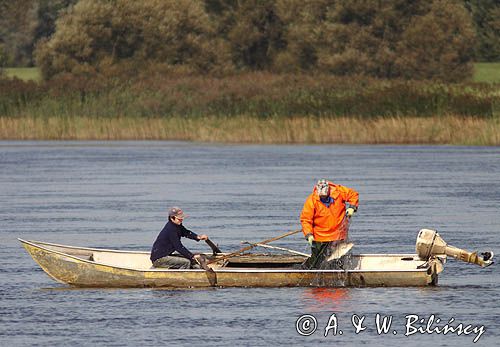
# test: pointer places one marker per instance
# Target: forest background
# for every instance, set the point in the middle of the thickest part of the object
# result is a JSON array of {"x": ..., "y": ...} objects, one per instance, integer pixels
[{"x": 276, "y": 71}]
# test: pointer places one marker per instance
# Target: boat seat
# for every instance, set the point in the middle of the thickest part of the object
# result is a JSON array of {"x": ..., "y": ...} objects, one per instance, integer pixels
[{"x": 127, "y": 260}]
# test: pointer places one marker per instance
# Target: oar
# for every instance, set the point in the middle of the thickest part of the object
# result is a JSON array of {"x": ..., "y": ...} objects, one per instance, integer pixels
[
  {"x": 279, "y": 248},
  {"x": 213, "y": 246},
  {"x": 209, "y": 272},
  {"x": 244, "y": 249}
]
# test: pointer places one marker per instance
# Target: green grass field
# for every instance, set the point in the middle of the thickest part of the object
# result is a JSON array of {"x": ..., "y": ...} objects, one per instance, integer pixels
[
  {"x": 487, "y": 72},
  {"x": 483, "y": 72},
  {"x": 24, "y": 73}
]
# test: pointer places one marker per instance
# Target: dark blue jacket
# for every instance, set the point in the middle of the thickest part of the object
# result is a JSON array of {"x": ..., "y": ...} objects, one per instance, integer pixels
[{"x": 169, "y": 240}]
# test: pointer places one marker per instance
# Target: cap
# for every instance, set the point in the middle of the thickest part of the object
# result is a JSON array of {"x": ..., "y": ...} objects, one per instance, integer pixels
[
  {"x": 176, "y": 212},
  {"x": 322, "y": 187}
]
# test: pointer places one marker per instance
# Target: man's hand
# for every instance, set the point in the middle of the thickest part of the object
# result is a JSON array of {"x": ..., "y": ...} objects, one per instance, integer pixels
[
  {"x": 350, "y": 212},
  {"x": 310, "y": 240},
  {"x": 202, "y": 237}
]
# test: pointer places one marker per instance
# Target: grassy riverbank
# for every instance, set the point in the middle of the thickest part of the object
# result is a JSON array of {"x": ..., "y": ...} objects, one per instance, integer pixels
[
  {"x": 249, "y": 129},
  {"x": 483, "y": 72},
  {"x": 251, "y": 94},
  {"x": 253, "y": 107},
  {"x": 24, "y": 73},
  {"x": 487, "y": 72}
]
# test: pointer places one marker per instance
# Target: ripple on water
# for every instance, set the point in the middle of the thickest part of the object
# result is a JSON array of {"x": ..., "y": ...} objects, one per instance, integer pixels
[{"x": 115, "y": 195}]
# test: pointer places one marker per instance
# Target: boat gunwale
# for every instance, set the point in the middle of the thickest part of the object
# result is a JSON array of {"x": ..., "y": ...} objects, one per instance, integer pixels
[{"x": 39, "y": 244}]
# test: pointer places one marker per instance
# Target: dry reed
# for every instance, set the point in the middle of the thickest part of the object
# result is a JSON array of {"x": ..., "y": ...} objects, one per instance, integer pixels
[{"x": 457, "y": 130}]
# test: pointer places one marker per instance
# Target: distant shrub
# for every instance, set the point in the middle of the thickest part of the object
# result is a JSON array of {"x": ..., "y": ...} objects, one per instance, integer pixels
[
  {"x": 415, "y": 40},
  {"x": 419, "y": 39},
  {"x": 93, "y": 35}
]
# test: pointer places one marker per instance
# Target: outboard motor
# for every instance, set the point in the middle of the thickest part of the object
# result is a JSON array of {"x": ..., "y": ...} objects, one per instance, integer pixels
[{"x": 429, "y": 244}]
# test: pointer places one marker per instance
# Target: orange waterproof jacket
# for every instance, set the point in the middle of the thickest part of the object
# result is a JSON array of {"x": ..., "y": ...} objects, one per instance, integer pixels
[{"x": 328, "y": 223}]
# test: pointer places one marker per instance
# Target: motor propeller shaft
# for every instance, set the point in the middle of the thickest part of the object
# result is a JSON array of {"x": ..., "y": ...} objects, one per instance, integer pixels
[{"x": 429, "y": 243}]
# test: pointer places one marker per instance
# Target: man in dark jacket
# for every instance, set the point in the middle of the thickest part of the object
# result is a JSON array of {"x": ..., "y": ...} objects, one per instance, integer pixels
[{"x": 169, "y": 240}]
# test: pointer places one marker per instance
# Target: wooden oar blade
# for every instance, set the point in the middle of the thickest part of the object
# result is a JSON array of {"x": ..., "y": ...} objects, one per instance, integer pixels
[{"x": 211, "y": 274}]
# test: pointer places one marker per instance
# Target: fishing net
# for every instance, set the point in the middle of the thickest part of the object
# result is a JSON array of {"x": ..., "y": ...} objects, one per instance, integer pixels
[{"x": 334, "y": 255}]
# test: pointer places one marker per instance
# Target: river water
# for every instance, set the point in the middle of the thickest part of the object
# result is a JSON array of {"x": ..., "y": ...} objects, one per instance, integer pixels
[{"x": 115, "y": 194}]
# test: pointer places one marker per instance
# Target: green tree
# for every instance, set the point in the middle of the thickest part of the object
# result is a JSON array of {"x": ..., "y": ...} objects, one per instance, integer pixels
[
  {"x": 48, "y": 12},
  {"x": 486, "y": 18},
  {"x": 303, "y": 21},
  {"x": 252, "y": 29},
  {"x": 378, "y": 38},
  {"x": 359, "y": 36},
  {"x": 18, "y": 21},
  {"x": 346, "y": 37},
  {"x": 3, "y": 57},
  {"x": 96, "y": 34},
  {"x": 416, "y": 39},
  {"x": 438, "y": 45}
]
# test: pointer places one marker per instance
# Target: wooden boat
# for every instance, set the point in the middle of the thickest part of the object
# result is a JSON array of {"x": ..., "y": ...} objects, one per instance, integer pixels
[{"x": 93, "y": 267}]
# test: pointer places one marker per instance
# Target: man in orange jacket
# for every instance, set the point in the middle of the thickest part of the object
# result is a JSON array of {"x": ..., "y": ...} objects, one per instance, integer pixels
[{"x": 324, "y": 218}]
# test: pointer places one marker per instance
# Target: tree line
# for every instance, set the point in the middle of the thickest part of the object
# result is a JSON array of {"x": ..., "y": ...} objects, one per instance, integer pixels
[{"x": 411, "y": 39}]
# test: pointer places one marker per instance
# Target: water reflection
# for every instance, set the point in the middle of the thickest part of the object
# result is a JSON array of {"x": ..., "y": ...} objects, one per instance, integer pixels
[{"x": 326, "y": 299}]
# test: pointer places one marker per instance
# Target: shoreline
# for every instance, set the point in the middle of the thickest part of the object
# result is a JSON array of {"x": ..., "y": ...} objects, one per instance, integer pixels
[{"x": 437, "y": 130}]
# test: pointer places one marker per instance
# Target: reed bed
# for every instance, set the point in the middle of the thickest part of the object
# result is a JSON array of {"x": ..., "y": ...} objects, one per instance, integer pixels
[
  {"x": 457, "y": 130},
  {"x": 256, "y": 107},
  {"x": 251, "y": 94}
]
